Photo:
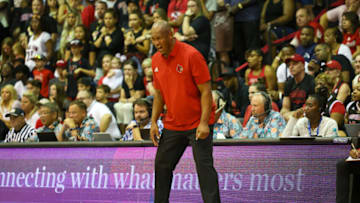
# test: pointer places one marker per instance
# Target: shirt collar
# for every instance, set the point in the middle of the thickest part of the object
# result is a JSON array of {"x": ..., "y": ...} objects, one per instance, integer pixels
[{"x": 175, "y": 49}]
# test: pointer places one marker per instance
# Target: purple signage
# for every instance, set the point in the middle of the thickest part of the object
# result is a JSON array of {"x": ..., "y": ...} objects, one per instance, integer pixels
[{"x": 266, "y": 173}]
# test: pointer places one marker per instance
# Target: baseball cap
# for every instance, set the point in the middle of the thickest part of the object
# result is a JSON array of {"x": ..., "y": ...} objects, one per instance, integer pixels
[
  {"x": 38, "y": 57},
  {"x": 15, "y": 112},
  {"x": 333, "y": 64},
  {"x": 295, "y": 57},
  {"x": 60, "y": 63},
  {"x": 76, "y": 42}
]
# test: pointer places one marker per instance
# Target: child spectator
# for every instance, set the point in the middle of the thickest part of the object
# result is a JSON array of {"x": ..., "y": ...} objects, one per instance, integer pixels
[
  {"x": 350, "y": 24},
  {"x": 113, "y": 78},
  {"x": 353, "y": 108},
  {"x": 22, "y": 74},
  {"x": 102, "y": 92},
  {"x": 42, "y": 74},
  {"x": 333, "y": 37}
]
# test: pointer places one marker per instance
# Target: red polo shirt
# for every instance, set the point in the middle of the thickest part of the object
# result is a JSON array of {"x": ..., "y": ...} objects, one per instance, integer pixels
[{"x": 177, "y": 77}]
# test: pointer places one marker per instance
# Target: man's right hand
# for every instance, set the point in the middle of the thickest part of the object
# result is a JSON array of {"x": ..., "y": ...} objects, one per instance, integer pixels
[{"x": 154, "y": 133}]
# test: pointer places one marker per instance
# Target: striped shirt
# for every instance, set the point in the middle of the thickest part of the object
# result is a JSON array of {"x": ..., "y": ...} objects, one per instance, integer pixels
[{"x": 26, "y": 133}]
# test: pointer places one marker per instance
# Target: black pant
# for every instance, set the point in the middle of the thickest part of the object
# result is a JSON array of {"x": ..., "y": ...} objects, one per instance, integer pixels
[
  {"x": 171, "y": 147},
  {"x": 343, "y": 171}
]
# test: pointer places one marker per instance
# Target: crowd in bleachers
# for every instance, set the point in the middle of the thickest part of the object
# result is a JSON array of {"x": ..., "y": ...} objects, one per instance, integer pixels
[{"x": 280, "y": 67}]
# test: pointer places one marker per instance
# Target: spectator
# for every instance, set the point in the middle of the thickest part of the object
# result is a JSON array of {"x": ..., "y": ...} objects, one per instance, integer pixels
[
  {"x": 356, "y": 65},
  {"x": 304, "y": 17},
  {"x": 246, "y": 26},
  {"x": 42, "y": 74},
  {"x": 28, "y": 104},
  {"x": 335, "y": 14},
  {"x": 307, "y": 44},
  {"x": 51, "y": 8},
  {"x": 132, "y": 89},
  {"x": 148, "y": 77},
  {"x": 340, "y": 89},
  {"x": 257, "y": 71},
  {"x": 18, "y": 52},
  {"x": 298, "y": 88},
  {"x": 80, "y": 33},
  {"x": 3, "y": 131},
  {"x": 113, "y": 76},
  {"x": 22, "y": 74},
  {"x": 110, "y": 40},
  {"x": 226, "y": 125},
  {"x": 136, "y": 38},
  {"x": 142, "y": 120},
  {"x": 102, "y": 92},
  {"x": 59, "y": 73},
  {"x": 334, "y": 38},
  {"x": 85, "y": 84},
  {"x": 95, "y": 27},
  {"x": 101, "y": 114},
  {"x": 175, "y": 13},
  {"x": 78, "y": 67},
  {"x": 264, "y": 122},
  {"x": 350, "y": 27},
  {"x": 49, "y": 118},
  {"x": 313, "y": 124},
  {"x": 7, "y": 75},
  {"x": 323, "y": 54},
  {"x": 78, "y": 126},
  {"x": 40, "y": 42},
  {"x": 34, "y": 86},
  {"x": 255, "y": 88},
  {"x": 20, "y": 131},
  {"x": 6, "y": 54},
  {"x": 8, "y": 102},
  {"x": 87, "y": 14},
  {"x": 235, "y": 92},
  {"x": 68, "y": 32},
  {"x": 195, "y": 28},
  {"x": 67, "y": 7},
  {"x": 57, "y": 95},
  {"x": 353, "y": 108}
]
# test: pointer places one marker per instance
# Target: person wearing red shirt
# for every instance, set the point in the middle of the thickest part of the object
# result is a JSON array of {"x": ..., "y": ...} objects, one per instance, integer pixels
[
  {"x": 42, "y": 74},
  {"x": 182, "y": 82}
]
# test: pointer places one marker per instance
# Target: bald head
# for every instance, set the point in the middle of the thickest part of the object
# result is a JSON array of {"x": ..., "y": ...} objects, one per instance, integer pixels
[{"x": 162, "y": 37}]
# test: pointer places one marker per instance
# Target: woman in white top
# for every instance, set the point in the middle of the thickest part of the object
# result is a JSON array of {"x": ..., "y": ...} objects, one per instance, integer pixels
[
  {"x": 333, "y": 37},
  {"x": 313, "y": 124},
  {"x": 39, "y": 43},
  {"x": 8, "y": 101},
  {"x": 28, "y": 105}
]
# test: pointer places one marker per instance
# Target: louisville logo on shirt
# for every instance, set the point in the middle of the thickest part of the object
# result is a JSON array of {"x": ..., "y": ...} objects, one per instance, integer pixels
[
  {"x": 156, "y": 69},
  {"x": 179, "y": 68}
]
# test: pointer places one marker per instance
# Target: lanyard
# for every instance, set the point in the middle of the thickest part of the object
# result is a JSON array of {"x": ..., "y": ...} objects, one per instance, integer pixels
[{"x": 317, "y": 130}]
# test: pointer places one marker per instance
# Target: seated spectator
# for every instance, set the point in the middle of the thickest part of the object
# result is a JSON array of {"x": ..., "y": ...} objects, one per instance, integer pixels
[
  {"x": 85, "y": 84},
  {"x": 58, "y": 96},
  {"x": 307, "y": 43},
  {"x": 148, "y": 77},
  {"x": 298, "y": 88},
  {"x": 350, "y": 27},
  {"x": 42, "y": 74},
  {"x": 226, "y": 125},
  {"x": 255, "y": 88},
  {"x": 6, "y": 54},
  {"x": 102, "y": 92},
  {"x": 113, "y": 76},
  {"x": 334, "y": 38},
  {"x": 78, "y": 126},
  {"x": 22, "y": 74},
  {"x": 313, "y": 124},
  {"x": 59, "y": 73},
  {"x": 132, "y": 89},
  {"x": 20, "y": 131},
  {"x": 340, "y": 90},
  {"x": 7, "y": 76},
  {"x": 8, "y": 102},
  {"x": 28, "y": 105},
  {"x": 353, "y": 108},
  {"x": 49, "y": 118},
  {"x": 323, "y": 54},
  {"x": 101, "y": 114},
  {"x": 142, "y": 115},
  {"x": 335, "y": 15},
  {"x": 356, "y": 66},
  {"x": 304, "y": 17},
  {"x": 235, "y": 91},
  {"x": 257, "y": 71},
  {"x": 264, "y": 122},
  {"x": 34, "y": 86},
  {"x": 195, "y": 28}
]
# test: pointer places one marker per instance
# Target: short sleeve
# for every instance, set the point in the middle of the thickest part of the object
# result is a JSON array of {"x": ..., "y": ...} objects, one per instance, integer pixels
[
  {"x": 333, "y": 14},
  {"x": 199, "y": 68}
]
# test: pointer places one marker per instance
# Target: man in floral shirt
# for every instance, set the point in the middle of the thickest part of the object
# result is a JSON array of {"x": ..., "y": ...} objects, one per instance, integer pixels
[
  {"x": 78, "y": 126},
  {"x": 264, "y": 122}
]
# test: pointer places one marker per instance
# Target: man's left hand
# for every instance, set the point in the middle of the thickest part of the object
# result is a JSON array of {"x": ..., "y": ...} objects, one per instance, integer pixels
[{"x": 202, "y": 131}]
